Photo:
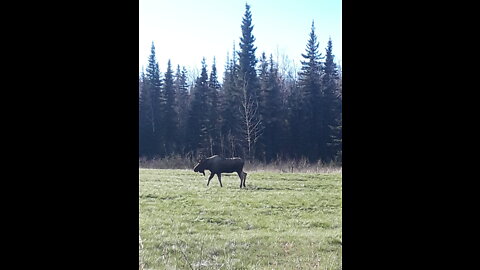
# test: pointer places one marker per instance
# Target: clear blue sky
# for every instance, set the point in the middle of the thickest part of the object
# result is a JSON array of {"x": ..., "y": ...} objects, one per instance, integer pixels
[{"x": 185, "y": 31}]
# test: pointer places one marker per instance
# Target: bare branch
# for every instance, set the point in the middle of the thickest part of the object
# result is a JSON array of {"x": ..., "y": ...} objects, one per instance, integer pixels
[{"x": 251, "y": 126}]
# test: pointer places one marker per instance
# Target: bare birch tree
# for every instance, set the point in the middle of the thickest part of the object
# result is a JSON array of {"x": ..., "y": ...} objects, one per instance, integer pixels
[{"x": 251, "y": 124}]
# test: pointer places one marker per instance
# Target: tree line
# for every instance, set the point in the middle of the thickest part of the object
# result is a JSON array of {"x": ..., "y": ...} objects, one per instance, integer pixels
[{"x": 257, "y": 112}]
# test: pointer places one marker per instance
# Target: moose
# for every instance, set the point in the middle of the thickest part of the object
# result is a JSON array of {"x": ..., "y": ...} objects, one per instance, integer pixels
[{"x": 218, "y": 165}]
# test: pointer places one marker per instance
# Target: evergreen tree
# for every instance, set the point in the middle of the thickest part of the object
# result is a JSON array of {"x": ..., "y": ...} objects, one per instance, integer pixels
[
  {"x": 222, "y": 104},
  {"x": 146, "y": 137},
  {"x": 170, "y": 120},
  {"x": 296, "y": 136},
  {"x": 247, "y": 74},
  {"x": 214, "y": 111},
  {"x": 311, "y": 119},
  {"x": 182, "y": 98},
  {"x": 263, "y": 78},
  {"x": 213, "y": 81},
  {"x": 153, "y": 85},
  {"x": 198, "y": 120},
  {"x": 262, "y": 107},
  {"x": 270, "y": 107},
  {"x": 231, "y": 107},
  {"x": 247, "y": 80},
  {"x": 331, "y": 105},
  {"x": 274, "y": 115}
]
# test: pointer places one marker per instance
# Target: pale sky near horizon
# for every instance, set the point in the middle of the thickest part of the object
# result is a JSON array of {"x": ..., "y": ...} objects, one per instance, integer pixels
[{"x": 185, "y": 31}]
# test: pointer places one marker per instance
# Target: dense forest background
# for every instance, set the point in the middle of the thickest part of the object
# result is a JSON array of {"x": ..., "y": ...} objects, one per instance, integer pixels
[{"x": 259, "y": 111}]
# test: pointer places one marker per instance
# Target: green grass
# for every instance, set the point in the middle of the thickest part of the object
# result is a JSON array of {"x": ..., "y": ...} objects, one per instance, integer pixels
[{"x": 280, "y": 221}]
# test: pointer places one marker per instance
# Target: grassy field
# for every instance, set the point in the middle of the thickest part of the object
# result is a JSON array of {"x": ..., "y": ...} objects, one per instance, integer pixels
[{"x": 280, "y": 221}]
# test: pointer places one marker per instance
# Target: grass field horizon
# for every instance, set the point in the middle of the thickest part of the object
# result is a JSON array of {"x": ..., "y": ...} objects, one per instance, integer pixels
[
  {"x": 280, "y": 221},
  {"x": 300, "y": 165}
]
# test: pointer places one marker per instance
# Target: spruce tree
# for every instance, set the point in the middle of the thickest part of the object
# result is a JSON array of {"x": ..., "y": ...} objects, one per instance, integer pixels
[
  {"x": 169, "y": 124},
  {"x": 146, "y": 138},
  {"x": 182, "y": 98},
  {"x": 295, "y": 125},
  {"x": 331, "y": 105},
  {"x": 273, "y": 121},
  {"x": 222, "y": 104},
  {"x": 247, "y": 74},
  {"x": 263, "y": 79},
  {"x": 154, "y": 87},
  {"x": 262, "y": 106},
  {"x": 247, "y": 80},
  {"x": 232, "y": 99},
  {"x": 214, "y": 111},
  {"x": 198, "y": 120},
  {"x": 312, "y": 122}
]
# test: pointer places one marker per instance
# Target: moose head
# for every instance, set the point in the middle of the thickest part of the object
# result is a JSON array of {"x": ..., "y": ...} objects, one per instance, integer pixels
[{"x": 201, "y": 166}]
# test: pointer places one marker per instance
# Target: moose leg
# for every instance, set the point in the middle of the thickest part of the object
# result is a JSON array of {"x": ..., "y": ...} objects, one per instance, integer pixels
[
  {"x": 219, "y": 175},
  {"x": 240, "y": 174},
  {"x": 244, "y": 178},
  {"x": 210, "y": 178}
]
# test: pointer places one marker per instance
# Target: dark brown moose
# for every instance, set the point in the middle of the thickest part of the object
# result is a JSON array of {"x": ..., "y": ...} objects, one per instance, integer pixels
[{"x": 218, "y": 165}]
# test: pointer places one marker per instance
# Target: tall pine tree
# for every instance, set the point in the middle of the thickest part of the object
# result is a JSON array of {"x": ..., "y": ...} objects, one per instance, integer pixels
[
  {"x": 182, "y": 98},
  {"x": 273, "y": 117},
  {"x": 262, "y": 107},
  {"x": 146, "y": 137},
  {"x": 214, "y": 111},
  {"x": 232, "y": 99},
  {"x": 169, "y": 124},
  {"x": 295, "y": 125},
  {"x": 198, "y": 120},
  {"x": 247, "y": 79},
  {"x": 331, "y": 106},
  {"x": 247, "y": 74},
  {"x": 153, "y": 85},
  {"x": 311, "y": 120}
]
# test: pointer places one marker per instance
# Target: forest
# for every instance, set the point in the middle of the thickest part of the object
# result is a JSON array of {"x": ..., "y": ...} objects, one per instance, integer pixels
[{"x": 258, "y": 111}]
